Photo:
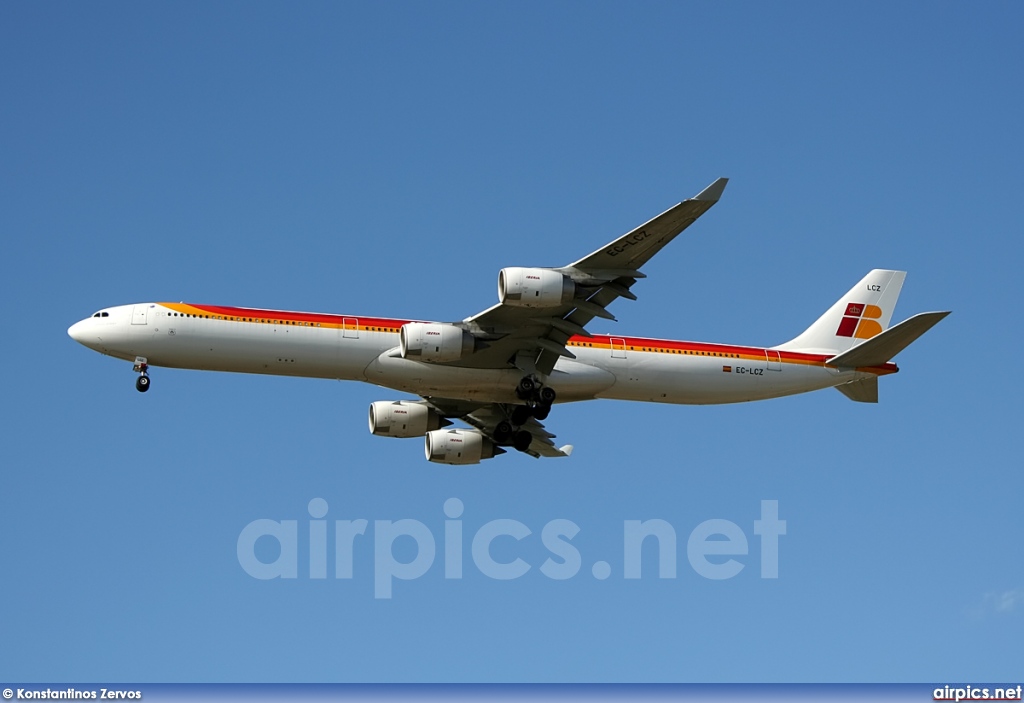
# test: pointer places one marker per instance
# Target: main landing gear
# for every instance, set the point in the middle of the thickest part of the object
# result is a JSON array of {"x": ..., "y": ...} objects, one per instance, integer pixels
[
  {"x": 538, "y": 399},
  {"x": 141, "y": 367}
]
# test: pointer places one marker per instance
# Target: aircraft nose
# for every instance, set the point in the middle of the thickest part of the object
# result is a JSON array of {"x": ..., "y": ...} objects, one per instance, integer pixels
[
  {"x": 85, "y": 334},
  {"x": 77, "y": 331}
]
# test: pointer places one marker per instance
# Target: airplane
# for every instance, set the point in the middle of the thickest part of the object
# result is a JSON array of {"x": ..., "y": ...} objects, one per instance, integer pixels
[{"x": 501, "y": 370}]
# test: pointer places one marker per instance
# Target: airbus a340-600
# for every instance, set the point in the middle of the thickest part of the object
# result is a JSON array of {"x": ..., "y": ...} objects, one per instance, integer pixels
[{"x": 501, "y": 370}]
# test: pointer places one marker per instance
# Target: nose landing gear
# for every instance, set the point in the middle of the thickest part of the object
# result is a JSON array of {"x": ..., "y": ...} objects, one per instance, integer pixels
[{"x": 141, "y": 367}]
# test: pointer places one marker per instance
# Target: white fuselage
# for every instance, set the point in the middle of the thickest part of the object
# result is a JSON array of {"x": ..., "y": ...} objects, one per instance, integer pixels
[{"x": 354, "y": 348}]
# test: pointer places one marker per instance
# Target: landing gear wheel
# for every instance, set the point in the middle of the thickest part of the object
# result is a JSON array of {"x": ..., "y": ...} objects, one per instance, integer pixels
[
  {"x": 522, "y": 440},
  {"x": 142, "y": 383},
  {"x": 547, "y": 395},
  {"x": 520, "y": 415},
  {"x": 503, "y": 432},
  {"x": 541, "y": 412},
  {"x": 525, "y": 388}
]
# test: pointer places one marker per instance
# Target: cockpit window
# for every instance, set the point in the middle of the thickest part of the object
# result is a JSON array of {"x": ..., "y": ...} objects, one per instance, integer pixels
[{"x": 102, "y": 314}]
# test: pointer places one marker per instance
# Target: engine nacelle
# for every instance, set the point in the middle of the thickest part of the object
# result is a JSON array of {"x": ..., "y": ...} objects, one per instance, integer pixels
[
  {"x": 403, "y": 418},
  {"x": 434, "y": 342},
  {"x": 534, "y": 288},
  {"x": 458, "y": 447}
]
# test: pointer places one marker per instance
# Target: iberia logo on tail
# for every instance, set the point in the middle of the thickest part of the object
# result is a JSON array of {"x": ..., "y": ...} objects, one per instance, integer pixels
[{"x": 860, "y": 321}]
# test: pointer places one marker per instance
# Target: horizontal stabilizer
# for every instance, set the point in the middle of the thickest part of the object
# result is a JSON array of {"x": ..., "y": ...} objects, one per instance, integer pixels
[
  {"x": 881, "y": 348},
  {"x": 863, "y": 391}
]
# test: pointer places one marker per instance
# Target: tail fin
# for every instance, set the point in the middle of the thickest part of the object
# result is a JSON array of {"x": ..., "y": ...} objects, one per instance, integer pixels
[{"x": 861, "y": 314}]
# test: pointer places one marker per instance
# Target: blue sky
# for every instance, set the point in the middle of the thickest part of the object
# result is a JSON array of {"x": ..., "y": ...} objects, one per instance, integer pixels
[{"x": 389, "y": 159}]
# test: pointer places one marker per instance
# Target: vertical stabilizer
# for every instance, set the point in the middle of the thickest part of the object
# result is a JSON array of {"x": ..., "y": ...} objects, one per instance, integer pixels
[{"x": 861, "y": 314}]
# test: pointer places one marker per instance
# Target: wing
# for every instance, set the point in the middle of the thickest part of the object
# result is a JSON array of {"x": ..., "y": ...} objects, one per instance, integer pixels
[
  {"x": 533, "y": 339},
  {"x": 485, "y": 417}
]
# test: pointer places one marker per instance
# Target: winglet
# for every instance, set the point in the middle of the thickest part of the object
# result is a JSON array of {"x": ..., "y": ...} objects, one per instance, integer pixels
[
  {"x": 566, "y": 449},
  {"x": 713, "y": 192}
]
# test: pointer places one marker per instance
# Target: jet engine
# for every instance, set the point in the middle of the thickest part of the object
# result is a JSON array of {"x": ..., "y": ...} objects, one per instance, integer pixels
[
  {"x": 459, "y": 447},
  {"x": 435, "y": 342},
  {"x": 404, "y": 418},
  {"x": 534, "y": 288}
]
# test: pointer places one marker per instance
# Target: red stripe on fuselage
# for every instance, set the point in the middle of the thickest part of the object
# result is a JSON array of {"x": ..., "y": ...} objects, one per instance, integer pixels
[
  {"x": 637, "y": 343},
  {"x": 314, "y": 317}
]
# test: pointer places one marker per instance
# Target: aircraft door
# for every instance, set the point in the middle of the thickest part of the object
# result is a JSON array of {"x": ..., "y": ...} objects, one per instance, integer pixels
[
  {"x": 350, "y": 328},
  {"x": 774, "y": 360},
  {"x": 140, "y": 314},
  {"x": 618, "y": 348}
]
